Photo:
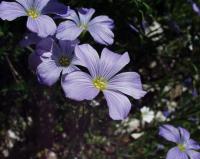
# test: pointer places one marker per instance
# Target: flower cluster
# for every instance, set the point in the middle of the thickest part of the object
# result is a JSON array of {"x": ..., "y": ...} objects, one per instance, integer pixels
[{"x": 59, "y": 53}]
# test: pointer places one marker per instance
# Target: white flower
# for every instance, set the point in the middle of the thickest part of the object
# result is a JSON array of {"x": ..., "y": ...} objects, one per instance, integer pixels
[
  {"x": 133, "y": 124},
  {"x": 128, "y": 125},
  {"x": 137, "y": 135},
  {"x": 160, "y": 117},
  {"x": 147, "y": 114},
  {"x": 171, "y": 105},
  {"x": 13, "y": 135}
]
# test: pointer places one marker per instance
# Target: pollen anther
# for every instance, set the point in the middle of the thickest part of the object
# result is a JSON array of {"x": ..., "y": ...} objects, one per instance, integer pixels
[
  {"x": 100, "y": 83},
  {"x": 32, "y": 13},
  {"x": 181, "y": 147},
  {"x": 64, "y": 61}
]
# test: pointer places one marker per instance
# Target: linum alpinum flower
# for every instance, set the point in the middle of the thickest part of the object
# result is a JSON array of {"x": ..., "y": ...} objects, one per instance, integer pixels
[
  {"x": 58, "y": 61},
  {"x": 99, "y": 27},
  {"x": 186, "y": 148},
  {"x": 79, "y": 85},
  {"x": 36, "y": 11}
]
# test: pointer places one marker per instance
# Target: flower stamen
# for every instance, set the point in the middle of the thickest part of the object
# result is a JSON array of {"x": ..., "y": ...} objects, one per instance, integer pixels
[
  {"x": 32, "y": 13},
  {"x": 100, "y": 83},
  {"x": 181, "y": 147},
  {"x": 64, "y": 61}
]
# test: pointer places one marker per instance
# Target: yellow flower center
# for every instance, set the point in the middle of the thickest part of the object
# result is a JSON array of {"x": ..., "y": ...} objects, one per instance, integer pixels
[
  {"x": 32, "y": 13},
  {"x": 181, "y": 147},
  {"x": 100, "y": 83},
  {"x": 64, "y": 61}
]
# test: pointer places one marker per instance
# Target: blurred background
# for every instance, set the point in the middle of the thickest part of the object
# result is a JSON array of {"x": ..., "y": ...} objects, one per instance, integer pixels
[{"x": 163, "y": 41}]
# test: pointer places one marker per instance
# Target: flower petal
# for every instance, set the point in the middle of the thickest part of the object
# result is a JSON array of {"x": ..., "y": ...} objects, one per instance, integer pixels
[
  {"x": 88, "y": 57},
  {"x": 78, "y": 86},
  {"x": 85, "y": 15},
  {"x": 45, "y": 45},
  {"x": 170, "y": 133},
  {"x": 27, "y": 4},
  {"x": 33, "y": 61},
  {"x": 43, "y": 25},
  {"x": 102, "y": 20},
  {"x": 73, "y": 16},
  {"x": 69, "y": 69},
  {"x": 119, "y": 105},
  {"x": 175, "y": 153},
  {"x": 101, "y": 34},
  {"x": 111, "y": 63},
  {"x": 128, "y": 83},
  {"x": 192, "y": 145},
  {"x": 68, "y": 47},
  {"x": 196, "y": 8},
  {"x": 29, "y": 39},
  {"x": 48, "y": 72},
  {"x": 193, "y": 154},
  {"x": 54, "y": 7},
  {"x": 185, "y": 135},
  {"x": 68, "y": 30},
  {"x": 11, "y": 10},
  {"x": 40, "y": 4}
]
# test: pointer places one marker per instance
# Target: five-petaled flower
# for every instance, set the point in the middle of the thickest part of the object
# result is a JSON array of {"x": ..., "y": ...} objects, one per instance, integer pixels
[
  {"x": 36, "y": 11},
  {"x": 99, "y": 27},
  {"x": 185, "y": 148},
  {"x": 79, "y": 85},
  {"x": 59, "y": 60}
]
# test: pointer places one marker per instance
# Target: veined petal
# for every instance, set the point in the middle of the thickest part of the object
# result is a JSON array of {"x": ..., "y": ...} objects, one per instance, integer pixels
[
  {"x": 102, "y": 20},
  {"x": 85, "y": 15},
  {"x": 192, "y": 145},
  {"x": 27, "y": 4},
  {"x": 101, "y": 33},
  {"x": 111, "y": 63},
  {"x": 119, "y": 105},
  {"x": 170, "y": 133},
  {"x": 73, "y": 16},
  {"x": 40, "y": 4},
  {"x": 69, "y": 69},
  {"x": 68, "y": 47},
  {"x": 55, "y": 7},
  {"x": 43, "y": 25},
  {"x": 78, "y": 86},
  {"x": 45, "y": 45},
  {"x": 185, "y": 135},
  {"x": 11, "y": 10},
  {"x": 68, "y": 30},
  {"x": 193, "y": 154},
  {"x": 128, "y": 83},
  {"x": 48, "y": 72},
  {"x": 175, "y": 153},
  {"x": 56, "y": 51},
  {"x": 46, "y": 56},
  {"x": 88, "y": 58}
]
